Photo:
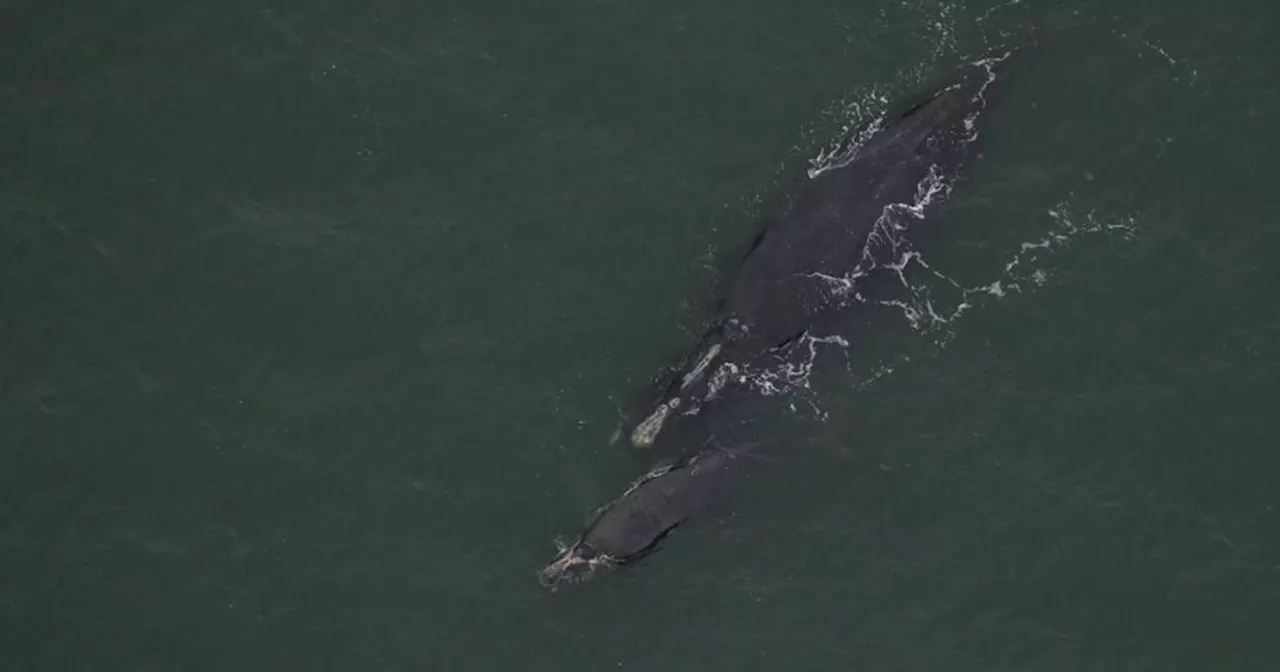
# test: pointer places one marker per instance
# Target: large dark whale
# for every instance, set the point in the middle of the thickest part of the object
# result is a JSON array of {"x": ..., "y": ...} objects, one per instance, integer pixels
[
  {"x": 835, "y": 234},
  {"x": 830, "y": 244}
]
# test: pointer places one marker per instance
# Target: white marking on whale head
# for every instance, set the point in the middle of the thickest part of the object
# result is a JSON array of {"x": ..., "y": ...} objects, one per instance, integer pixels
[{"x": 574, "y": 564}]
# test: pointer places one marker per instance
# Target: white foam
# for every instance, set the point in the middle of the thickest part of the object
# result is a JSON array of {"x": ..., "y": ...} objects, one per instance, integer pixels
[
  {"x": 923, "y": 312},
  {"x": 840, "y": 155}
]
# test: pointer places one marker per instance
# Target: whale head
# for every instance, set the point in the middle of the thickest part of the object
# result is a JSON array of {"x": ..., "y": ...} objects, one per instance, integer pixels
[{"x": 575, "y": 563}]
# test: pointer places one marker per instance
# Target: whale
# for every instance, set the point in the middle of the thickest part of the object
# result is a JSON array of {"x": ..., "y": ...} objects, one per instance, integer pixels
[
  {"x": 831, "y": 241},
  {"x": 836, "y": 238},
  {"x": 631, "y": 526}
]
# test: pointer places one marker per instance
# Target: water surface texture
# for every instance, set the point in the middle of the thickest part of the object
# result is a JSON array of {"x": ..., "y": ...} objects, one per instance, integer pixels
[{"x": 316, "y": 320}]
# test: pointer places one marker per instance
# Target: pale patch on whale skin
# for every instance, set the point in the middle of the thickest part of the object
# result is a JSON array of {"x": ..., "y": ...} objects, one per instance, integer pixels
[
  {"x": 700, "y": 367},
  {"x": 645, "y": 432}
]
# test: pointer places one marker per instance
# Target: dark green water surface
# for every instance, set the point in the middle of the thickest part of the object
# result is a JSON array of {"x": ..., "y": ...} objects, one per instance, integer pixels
[{"x": 315, "y": 321}]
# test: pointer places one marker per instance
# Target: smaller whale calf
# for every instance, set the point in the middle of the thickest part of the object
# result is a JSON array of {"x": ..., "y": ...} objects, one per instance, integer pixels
[{"x": 631, "y": 526}]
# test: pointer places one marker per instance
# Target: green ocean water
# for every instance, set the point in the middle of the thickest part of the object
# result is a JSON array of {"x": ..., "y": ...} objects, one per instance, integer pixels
[{"x": 316, "y": 320}]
